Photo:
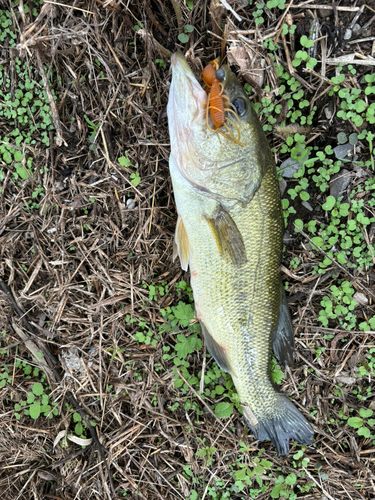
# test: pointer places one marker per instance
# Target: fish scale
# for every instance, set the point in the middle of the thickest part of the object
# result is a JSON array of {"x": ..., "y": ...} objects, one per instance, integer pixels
[{"x": 229, "y": 233}]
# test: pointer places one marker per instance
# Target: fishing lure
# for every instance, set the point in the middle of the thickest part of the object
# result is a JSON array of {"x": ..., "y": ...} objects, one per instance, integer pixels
[{"x": 218, "y": 104}]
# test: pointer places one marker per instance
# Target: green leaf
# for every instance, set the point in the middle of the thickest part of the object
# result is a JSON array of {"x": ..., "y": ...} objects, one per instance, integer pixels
[
  {"x": 291, "y": 479},
  {"x": 224, "y": 410},
  {"x": 30, "y": 397},
  {"x": 355, "y": 422},
  {"x": 18, "y": 156},
  {"x": 364, "y": 431},
  {"x": 35, "y": 410},
  {"x": 305, "y": 42},
  {"x": 341, "y": 138},
  {"x": 78, "y": 429},
  {"x": 124, "y": 161},
  {"x": 184, "y": 313},
  {"x": 365, "y": 413},
  {"x": 7, "y": 157},
  {"x": 38, "y": 389},
  {"x": 275, "y": 493},
  {"x": 188, "y": 28},
  {"x": 329, "y": 204},
  {"x": 136, "y": 180},
  {"x": 276, "y": 373},
  {"x": 183, "y": 38},
  {"x": 187, "y": 345}
]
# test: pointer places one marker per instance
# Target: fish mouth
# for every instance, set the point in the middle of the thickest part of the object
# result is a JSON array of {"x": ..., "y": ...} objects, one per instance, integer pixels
[{"x": 187, "y": 99}]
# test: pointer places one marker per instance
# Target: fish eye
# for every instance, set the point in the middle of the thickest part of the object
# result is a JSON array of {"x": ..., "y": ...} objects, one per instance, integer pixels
[
  {"x": 220, "y": 74},
  {"x": 240, "y": 106}
]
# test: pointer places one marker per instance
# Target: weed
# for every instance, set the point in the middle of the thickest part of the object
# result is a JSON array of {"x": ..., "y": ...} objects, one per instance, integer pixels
[
  {"x": 38, "y": 401},
  {"x": 303, "y": 56},
  {"x": 363, "y": 423},
  {"x": 124, "y": 161},
  {"x": 161, "y": 63},
  {"x": 339, "y": 306},
  {"x": 207, "y": 453},
  {"x": 184, "y": 37}
]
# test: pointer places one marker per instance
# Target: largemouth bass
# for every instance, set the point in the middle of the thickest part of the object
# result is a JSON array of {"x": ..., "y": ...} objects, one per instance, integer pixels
[{"x": 229, "y": 232}]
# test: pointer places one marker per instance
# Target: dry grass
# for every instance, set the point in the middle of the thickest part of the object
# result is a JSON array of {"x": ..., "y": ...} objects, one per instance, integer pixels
[{"x": 76, "y": 263}]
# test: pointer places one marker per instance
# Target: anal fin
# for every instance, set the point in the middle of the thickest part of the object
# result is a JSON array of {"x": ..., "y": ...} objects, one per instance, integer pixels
[
  {"x": 181, "y": 244},
  {"x": 216, "y": 351},
  {"x": 283, "y": 338}
]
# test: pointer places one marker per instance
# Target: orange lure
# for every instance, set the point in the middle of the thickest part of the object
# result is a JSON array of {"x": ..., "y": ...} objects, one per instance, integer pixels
[{"x": 218, "y": 104}]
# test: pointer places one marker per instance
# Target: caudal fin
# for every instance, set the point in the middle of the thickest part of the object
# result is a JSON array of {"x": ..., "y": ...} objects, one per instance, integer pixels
[{"x": 287, "y": 423}]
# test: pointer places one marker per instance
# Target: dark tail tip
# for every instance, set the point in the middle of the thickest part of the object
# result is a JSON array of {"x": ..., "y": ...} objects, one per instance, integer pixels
[{"x": 288, "y": 423}]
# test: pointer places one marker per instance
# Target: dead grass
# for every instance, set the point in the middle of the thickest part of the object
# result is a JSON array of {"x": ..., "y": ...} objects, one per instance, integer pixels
[{"x": 75, "y": 266}]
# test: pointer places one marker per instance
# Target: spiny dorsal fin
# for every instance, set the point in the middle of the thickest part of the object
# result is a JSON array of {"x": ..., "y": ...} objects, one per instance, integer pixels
[
  {"x": 181, "y": 244},
  {"x": 228, "y": 238}
]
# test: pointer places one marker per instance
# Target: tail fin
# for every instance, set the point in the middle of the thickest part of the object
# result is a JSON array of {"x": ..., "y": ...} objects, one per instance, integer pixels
[{"x": 287, "y": 423}]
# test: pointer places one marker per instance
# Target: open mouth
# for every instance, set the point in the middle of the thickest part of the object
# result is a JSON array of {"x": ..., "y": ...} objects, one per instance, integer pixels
[{"x": 188, "y": 93}]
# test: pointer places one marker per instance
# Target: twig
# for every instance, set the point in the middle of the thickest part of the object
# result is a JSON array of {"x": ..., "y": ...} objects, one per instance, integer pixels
[
  {"x": 349, "y": 59},
  {"x": 356, "y": 17},
  {"x": 320, "y": 373},
  {"x": 289, "y": 62},
  {"x": 368, "y": 39},
  {"x": 306, "y": 5},
  {"x": 225, "y": 4},
  {"x": 55, "y": 113},
  {"x": 319, "y": 485},
  {"x": 177, "y": 10},
  {"x": 69, "y": 7},
  {"x": 368, "y": 24},
  {"x": 144, "y": 34}
]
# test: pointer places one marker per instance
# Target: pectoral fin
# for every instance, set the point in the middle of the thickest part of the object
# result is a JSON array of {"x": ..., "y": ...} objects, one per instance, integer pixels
[
  {"x": 181, "y": 244},
  {"x": 216, "y": 350},
  {"x": 283, "y": 339},
  {"x": 228, "y": 238}
]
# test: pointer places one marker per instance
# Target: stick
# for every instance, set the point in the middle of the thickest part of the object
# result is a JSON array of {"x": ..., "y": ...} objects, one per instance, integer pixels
[{"x": 55, "y": 114}]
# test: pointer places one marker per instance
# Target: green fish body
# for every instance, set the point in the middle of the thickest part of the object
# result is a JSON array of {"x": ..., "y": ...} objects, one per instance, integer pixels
[{"x": 229, "y": 233}]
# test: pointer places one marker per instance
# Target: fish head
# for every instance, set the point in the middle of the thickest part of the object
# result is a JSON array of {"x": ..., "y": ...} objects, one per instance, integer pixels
[
  {"x": 227, "y": 165},
  {"x": 186, "y": 103}
]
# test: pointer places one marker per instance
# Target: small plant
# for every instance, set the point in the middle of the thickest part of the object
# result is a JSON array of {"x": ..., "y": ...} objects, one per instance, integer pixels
[
  {"x": 184, "y": 37},
  {"x": 162, "y": 64},
  {"x": 37, "y": 402},
  {"x": 135, "y": 178},
  {"x": 364, "y": 424},
  {"x": 207, "y": 453},
  {"x": 302, "y": 55},
  {"x": 339, "y": 305}
]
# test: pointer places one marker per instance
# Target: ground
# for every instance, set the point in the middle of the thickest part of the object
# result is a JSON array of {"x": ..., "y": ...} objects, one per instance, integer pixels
[{"x": 106, "y": 387}]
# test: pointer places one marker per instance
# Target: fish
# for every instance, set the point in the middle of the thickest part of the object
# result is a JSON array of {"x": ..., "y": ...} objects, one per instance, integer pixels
[{"x": 229, "y": 234}]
